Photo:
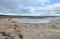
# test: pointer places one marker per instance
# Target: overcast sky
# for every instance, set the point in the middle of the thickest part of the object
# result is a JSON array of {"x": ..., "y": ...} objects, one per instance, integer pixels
[{"x": 31, "y": 7}]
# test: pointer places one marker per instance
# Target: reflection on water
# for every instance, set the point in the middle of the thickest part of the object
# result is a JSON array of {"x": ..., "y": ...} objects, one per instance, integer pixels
[
  {"x": 29, "y": 20},
  {"x": 32, "y": 21}
]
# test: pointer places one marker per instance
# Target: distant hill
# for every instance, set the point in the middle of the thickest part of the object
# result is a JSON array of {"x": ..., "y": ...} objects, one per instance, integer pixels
[{"x": 11, "y": 16}]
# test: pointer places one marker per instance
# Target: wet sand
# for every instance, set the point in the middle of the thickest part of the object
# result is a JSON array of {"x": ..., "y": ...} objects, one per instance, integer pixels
[{"x": 13, "y": 30}]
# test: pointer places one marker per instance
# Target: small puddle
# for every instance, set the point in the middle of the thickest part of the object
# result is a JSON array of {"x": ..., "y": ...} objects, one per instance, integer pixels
[
  {"x": 29, "y": 20},
  {"x": 32, "y": 21}
]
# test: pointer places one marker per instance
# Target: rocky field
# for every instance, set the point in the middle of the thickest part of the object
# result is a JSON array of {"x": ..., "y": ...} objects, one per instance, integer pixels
[{"x": 10, "y": 29}]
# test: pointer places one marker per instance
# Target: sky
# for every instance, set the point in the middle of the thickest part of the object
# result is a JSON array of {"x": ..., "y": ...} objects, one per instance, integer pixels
[{"x": 29, "y": 7}]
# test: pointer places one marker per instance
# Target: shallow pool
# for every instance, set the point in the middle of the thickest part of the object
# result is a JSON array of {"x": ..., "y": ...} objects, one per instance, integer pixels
[{"x": 32, "y": 21}]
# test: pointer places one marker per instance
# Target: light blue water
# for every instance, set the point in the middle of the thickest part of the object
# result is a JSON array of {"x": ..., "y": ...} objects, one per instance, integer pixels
[
  {"x": 32, "y": 20},
  {"x": 45, "y": 20}
]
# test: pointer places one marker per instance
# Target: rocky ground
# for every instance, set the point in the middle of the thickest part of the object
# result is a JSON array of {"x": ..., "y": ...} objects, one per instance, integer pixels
[{"x": 13, "y": 30}]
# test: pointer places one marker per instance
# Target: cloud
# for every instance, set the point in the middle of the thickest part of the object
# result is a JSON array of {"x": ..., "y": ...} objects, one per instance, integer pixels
[
  {"x": 13, "y": 4},
  {"x": 17, "y": 6},
  {"x": 20, "y": 7},
  {"x": 34, "y": 2},
  {"x": 9, "y": 4},
  {"x": 53, "y": 9},
  {"x": 48, "y": 10}
]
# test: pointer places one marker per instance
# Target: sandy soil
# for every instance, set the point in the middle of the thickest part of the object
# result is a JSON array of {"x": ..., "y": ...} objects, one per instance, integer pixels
[{"x": 12, "y": 30}]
